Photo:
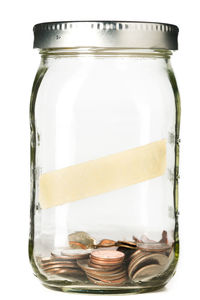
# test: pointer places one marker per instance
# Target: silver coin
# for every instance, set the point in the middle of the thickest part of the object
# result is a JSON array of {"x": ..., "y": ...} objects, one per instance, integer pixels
[
  {"x": 136, "y": 259},
  {"x": 147, "y": 272},
  {"x": 56, "y": 253},
  {"x": 81, "y": 239},
  {"x": 153, "y": 247},
  {"x": 134, "y": 254},
  {"x": 153, "y": 258},
  {"x": 76, "y": 253}
]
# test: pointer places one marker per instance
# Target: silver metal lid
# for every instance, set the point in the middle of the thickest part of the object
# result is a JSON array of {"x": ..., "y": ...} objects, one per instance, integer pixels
[{"x": 112, "y": 34}]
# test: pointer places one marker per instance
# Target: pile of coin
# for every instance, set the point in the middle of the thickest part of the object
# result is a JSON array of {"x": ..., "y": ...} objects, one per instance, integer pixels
[
  {"x": 149, "y": 261},
  {"x": 104, "y": 267},
  {"x": 63, "y": 262},
  {"x": 109, "y": 262}
]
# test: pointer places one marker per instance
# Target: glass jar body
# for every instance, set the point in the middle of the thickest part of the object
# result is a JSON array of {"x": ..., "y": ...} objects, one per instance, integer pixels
[{"x": 90, "y": 110}]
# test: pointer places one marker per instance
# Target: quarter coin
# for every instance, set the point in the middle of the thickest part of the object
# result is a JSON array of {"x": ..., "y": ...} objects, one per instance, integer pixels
[
  {"x": 153, "y": 247},
  {"x": 147, "y": 272}
]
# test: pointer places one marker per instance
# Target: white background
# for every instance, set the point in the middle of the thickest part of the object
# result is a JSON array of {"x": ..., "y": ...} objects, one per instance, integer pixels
[{"x": 18, "y": 64}]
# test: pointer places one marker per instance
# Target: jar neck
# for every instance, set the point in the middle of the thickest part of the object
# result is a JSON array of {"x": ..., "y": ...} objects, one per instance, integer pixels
[{"x": 157, "y": 53}]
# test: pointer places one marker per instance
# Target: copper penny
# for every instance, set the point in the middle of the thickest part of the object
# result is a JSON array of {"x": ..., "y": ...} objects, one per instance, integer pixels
[
  {"x": 103, "y": 267},
  {"x": 58, "y": 266},
  {"x": 100, "y": 272},
  {"x": 70, "y": 271},
  {"x": 128, "y": 244},
  {"x": 107, "y": 254},
  {"x": 108, "y": 276},
  {"x": 77, "y": 245},
  {"x": 105, "y": 261},
  {"x": 107, "y": 283},
  {"x": 106, "y": 243},
  {"x": 59, "y": 263},
  {"x": 63, "y": 270}
]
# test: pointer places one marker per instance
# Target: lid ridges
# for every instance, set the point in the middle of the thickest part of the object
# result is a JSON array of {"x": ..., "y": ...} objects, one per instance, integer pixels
[{"x": 112, "y": 34}]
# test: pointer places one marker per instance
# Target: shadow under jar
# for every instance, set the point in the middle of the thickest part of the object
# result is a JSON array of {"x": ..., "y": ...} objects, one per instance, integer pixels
[{"x": 104, "y": 117}]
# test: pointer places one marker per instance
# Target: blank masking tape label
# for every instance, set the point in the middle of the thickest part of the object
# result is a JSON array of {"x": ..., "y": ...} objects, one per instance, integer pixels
[{"x": 102, "y": 175}]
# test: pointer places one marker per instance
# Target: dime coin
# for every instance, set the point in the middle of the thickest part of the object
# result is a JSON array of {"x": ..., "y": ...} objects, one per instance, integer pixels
[
  {"x": 57, "y": 255},
  {"x": 76, "y": 253}
]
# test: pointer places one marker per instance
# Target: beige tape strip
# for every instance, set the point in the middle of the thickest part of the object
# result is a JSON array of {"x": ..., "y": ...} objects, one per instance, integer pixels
[{"x": 102, "y": 175}]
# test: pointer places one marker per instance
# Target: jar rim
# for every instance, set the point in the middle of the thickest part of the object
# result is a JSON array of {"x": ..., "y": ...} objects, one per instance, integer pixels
[{"x": 108, "y": 34}]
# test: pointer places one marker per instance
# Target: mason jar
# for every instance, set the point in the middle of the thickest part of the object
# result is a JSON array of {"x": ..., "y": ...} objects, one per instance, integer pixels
[{"x": 104, "y": 118}]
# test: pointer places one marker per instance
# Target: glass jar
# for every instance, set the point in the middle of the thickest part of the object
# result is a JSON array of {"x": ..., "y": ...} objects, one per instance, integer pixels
[{"x": 104, "y": 117}]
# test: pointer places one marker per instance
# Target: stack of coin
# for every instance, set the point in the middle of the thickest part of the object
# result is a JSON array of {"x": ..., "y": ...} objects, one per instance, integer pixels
[
  {"x": 105, "y": 267},
  {"x": 63, "y": 262},
  {"x": 148, "y": 262}
]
